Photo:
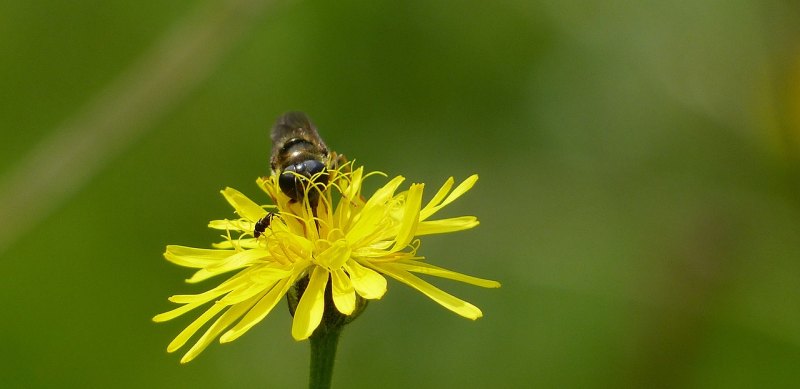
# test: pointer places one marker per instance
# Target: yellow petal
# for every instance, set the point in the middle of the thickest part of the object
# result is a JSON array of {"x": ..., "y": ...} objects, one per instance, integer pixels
[
  {"x": 370, "y": 225},
  {"x": 383, "y": 194},
  {"x": 247, "y": 291},
  {"x": 372, "y": 221},
  {"x": 270, "y": 272},
  {"x": 344, "y": 295},
  {"x": 462, "y": 188},
  {"x": 223, "y": 322},
  {"x": 242, "y": 258},
  {"x": 187, "y": 333},
  {"x": 334, "y": 256},
  {"x": 354, "y": 186},
  {"x": 192, "y": 257},
  {"x": 259, "y": 311},
  {"x": 444, "y": 299},
  {"x": 437, "y": 198},
  {"x": 237, "y": 281},
  {"x": 234, "y": 262},
  {"x": 169, "y": 315},
  {"x": 343, "y": 214},
  {"x": 408, "y": 225},
  {"x": 312, "y": 305},
  {"x": 245, "y": 207},
  {"x": 235, "y": 225},
  {"x": 367, "y": 282},
  {"x": 292, "y": 247},
  {"x": 243, "y": 243},
  {"x": 442, "y": 226},
  {"x": 267, "y": 184},
  {"x": 426, "y": 268},
  {"x": 193, "y": 301}
]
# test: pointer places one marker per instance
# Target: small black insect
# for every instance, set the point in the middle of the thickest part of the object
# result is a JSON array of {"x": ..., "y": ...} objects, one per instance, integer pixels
[{"x": 263, "y": 223}]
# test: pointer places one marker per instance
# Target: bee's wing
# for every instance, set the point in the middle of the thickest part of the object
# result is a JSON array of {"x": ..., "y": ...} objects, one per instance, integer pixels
[{"x": 293, "y": 125}]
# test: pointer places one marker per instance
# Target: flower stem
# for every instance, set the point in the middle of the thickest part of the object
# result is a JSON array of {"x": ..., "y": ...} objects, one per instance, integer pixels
[
  {"x": 326, "y": 337},
  {"x": 323, "y": 353}
]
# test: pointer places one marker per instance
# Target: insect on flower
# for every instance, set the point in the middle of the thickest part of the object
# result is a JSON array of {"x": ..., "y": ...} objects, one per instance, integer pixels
[
  {"x": 264, "y": 223},
  {"x": 298, "y": 152},
  {"x": 339, "y": 243}
]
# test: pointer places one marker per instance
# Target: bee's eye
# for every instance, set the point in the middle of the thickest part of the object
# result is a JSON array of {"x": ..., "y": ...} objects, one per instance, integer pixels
[
  {"x": 294, "y": 186},
  {"x": 290, "y": 184},
  {"x": 312, "y": 167}
]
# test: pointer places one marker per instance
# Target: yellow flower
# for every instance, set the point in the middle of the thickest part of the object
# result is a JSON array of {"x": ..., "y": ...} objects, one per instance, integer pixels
[{"x": 347, "y": 240}]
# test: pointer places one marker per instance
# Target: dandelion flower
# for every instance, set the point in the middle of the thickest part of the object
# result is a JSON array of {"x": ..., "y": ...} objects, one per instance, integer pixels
[{"x": 346, "y": 240}]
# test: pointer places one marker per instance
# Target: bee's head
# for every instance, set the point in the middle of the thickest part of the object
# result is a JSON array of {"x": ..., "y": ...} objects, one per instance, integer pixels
[{"x": 294, "y": 179}]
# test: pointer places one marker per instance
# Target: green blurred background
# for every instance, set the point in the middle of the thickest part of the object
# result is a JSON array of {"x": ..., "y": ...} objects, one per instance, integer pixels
[{"x": 639, "y": 191}]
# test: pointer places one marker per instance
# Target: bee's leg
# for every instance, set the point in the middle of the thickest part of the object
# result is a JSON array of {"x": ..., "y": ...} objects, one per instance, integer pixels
[{"x": 339, "y": 160}]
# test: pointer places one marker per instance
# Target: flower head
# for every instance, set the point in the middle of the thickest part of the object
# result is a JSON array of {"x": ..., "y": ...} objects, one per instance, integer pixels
[{"x": 345, "y": 239}]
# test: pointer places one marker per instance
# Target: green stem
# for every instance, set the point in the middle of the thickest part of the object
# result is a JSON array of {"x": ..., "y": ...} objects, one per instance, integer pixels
[
  {"x": 326, "y": 337},
  {"x": 323, "y": 354}
]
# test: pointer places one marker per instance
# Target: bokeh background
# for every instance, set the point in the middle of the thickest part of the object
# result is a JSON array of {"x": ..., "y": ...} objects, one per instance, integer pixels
[{"x": 639, "y": 191}]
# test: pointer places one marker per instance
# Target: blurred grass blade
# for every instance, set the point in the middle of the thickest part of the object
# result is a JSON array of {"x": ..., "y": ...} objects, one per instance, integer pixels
[{"x": 73, "y": 153}]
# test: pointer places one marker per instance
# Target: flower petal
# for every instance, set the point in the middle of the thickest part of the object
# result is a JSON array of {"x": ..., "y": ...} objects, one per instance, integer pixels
[
  {"x": 269, "y": 273},
  {"x": 169, "y": 315},
  {"x": 431, "y": 270},
  {"x": 312, "y": 305},
  {"x": 195, "y": 300},
  {"x": 223, "y": 322},
  {"x": 290, "y": 247},
  {"x": 344, "y": 295},
  {"x": 444, "y": 299},
  {"x": 237, "y": 281},
  {"x": 372, "y": 213},
  {"x": 235, "y": 225},
  {"x": 437, "y": 198},
  {"x": 197, "y": 258},
  {"x": 408, "y": 225},
  {"x": 353, "y": 188},
  {"x": 187, "y": 332},
  {"x": 245, "y": 207},
  {"x": 267, "y": 184},
  {"x": 430, "y": 227},
  {"x": 334, "y": 256},
  {"x": 462, "y": 188},
  {"x": 367, "y": 282},
  {"x": 236, "y": 261},
  {"x": 251, "y": 289},
  {"x": 384, "y": 193},
  {"x": 243, "y": 243},
  {"x": 260, "y": 310}
]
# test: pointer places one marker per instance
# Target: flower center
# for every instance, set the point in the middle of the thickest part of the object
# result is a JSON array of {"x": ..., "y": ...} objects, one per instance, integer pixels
[{"x": 332, "y": 252}]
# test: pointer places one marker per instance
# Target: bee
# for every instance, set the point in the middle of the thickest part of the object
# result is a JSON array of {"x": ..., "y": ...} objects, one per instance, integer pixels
[
  {"x": 297, "y": 149},
  {"x": 263, "y": 223}
]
